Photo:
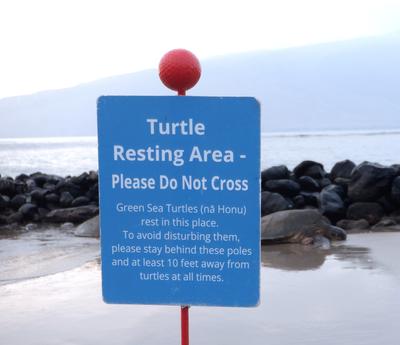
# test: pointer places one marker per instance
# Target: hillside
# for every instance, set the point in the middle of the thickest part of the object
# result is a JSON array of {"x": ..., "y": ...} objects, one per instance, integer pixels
[{"x": 336, "y": 86}]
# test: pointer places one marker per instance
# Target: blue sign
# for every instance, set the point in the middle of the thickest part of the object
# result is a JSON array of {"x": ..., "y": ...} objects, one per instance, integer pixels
[{"x": 180, "y": 200}]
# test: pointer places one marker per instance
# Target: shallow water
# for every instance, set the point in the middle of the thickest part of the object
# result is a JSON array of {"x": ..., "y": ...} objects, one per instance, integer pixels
[
  {"x": 40, "y": 252},
  {"x": 349, "y": 294}
]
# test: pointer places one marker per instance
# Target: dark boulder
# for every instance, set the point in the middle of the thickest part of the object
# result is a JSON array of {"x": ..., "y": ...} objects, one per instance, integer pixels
[
  {"x": 93, "y": 192},
  {"x": 342, "y": 182},
  {"x": 396, "y": 168},
  {"x": 18, "y": 200},
  {"x": 370, "y": 181},
  {"x": 80, "y": 201},
  {"x": 73, "y": 214},
  {"x": 67, "y": 186},
  {"x": 30, "y": 185},
  {"x": 331, "y": 204},
  {"x": 385, "y": 223},
  {"x": 39, "y": 178},
  {"x": 22, "y": 178},
  {"x": 7, "y": 186},
  {"x": 279, "y": 172},
  {"x": 387, "y": 203},
  {"x": 42, "y": 179},
  {"x": 299, "y": 201},
  {"x": 16, "y": 217},
  {"x": 66, "y": 199},
  {"x": 310, "y": 168},
  {"x": 308, "y": 184},
  {"x": 349, "y": 224},
  {"x": 51, "y": 187},
  {"x": 342, "y": 169},
  {"x": 4, "y": 201},
  {"x": 42, "y": 212},
  {"x": 336, "y": 189},
  {"x": 324, "y": 182},
  {"x": 370, "y": 211},
  {"x": 310, "y": 199},
  {"x": 20, "y": 187},
  {"x": 395, "y": 191},
  {"x": 82, "y": 180},
  {"x": 52, "y": 198},
  {"x": 93, "y": 177},
  {"x": 38, "y": 196},
  {"x": 273, "y": 202},
  {"x": 284, "y": 187},
  {"x": 29, "y": 211}
]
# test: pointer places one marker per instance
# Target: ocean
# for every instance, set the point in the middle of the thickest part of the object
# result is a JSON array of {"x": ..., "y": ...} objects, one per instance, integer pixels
[{"x": 74, "y": 155}]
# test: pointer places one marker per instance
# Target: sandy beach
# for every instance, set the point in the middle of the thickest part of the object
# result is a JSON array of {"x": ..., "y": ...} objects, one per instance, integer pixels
[{"x": 348, "y": 294}]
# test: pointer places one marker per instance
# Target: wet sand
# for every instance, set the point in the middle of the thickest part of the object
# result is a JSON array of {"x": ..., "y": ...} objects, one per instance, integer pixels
[{"x": 348, "y": 294}]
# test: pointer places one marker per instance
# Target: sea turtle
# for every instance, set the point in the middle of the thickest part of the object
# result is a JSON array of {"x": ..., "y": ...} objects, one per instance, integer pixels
[{"x": 298, "y": 226}]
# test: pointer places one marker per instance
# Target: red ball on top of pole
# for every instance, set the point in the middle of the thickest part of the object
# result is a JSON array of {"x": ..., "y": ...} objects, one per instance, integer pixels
[{"x": 180, "y": 70}]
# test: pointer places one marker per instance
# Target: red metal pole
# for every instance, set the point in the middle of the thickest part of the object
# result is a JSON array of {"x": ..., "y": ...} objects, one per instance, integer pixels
[
  {"x": 185, "y": 325},
  {"x": 176, "y": 75},
  {"x": 184, "y": 308}
]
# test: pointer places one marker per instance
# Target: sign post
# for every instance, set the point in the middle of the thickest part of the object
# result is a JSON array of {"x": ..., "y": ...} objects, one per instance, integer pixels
[{"x": 180, "y": 196}]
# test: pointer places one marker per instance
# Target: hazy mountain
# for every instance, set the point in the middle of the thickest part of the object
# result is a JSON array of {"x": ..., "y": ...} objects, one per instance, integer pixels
[{"x": 346, "y": 85}]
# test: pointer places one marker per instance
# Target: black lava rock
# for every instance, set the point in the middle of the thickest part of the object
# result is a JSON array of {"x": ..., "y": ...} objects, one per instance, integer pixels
[
  {"x": 93, "y": 192},
  {"x": 38, "y": 196},
  {"x": 67, "y": 186},
  {"x": 342, "y": 169},
  {"x": 348, "y": 224},
  {"x": 324, "y": 182},
  {"x": 80, "y": 201},
  {"x": 4, "y": 201},
  {"x": 336, "y": 189},
  {"x": 308, "y": 184},
  {"x": 16, "y": 217},
  {"x": 28, "y": 211},
  {"x": 342, "y": 182},
  {"x": 52, "y": 198},
  {"x": 22, "y": 178},
  {"x": 93, "y": 177},
  {"x": 299, "y": 201},
  {"x": 72, "y": 214},
  {"x": 273, "y": 202},
  {"x": 331, "y": 204},
  {"x": 39, "y": 178},
  {"x": 310, "y": 199},
  {"x": 395, "y": 191},
  {"x": 370, "y": 211},
  {"x": 7, "y": 186},
  {"x": 18, "y": 200},
  {"x": 370, "y": 181},
  {"x": 66, "y": 199},
  {"x": 279, "y": 172},
  {"x": 310, "y": 168},
  {"x": 284, "y": 187}
]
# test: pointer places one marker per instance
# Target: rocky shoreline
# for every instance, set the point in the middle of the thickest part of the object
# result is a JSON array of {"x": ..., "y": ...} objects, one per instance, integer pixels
[
  {"x": 350, "y": 197},
  {"x": 43, "y": 198}
]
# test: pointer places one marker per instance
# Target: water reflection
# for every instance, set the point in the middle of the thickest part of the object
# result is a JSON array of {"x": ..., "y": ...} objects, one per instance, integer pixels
[
  {"x": 296, "y": 257},
  {"x": 44, "y": 251}
]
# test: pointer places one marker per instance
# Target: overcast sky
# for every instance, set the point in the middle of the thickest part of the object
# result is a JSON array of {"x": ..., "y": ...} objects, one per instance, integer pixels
[{"x": 47, "y": 44}]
